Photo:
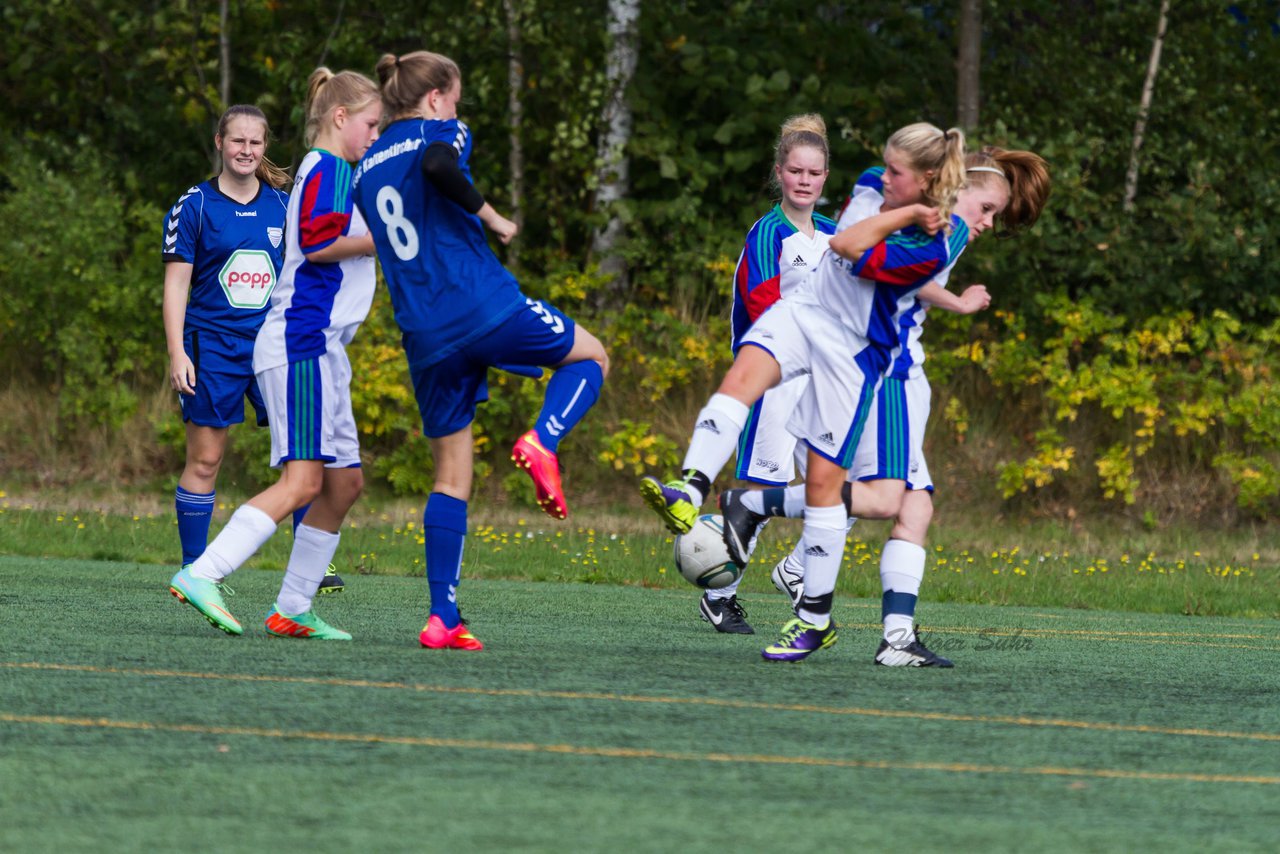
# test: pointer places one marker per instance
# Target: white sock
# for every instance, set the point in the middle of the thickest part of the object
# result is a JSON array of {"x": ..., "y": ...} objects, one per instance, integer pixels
[
  {"x": 753, "y": 500},
  {"x": 726, "y": 592},
  {"x": 313, "y": 551},
  {"x": 823, "y": 547},
  {"x": 245, "y": 532},
  {"x": 901, "y": 571},
  {"x": 715, "y": 437},
  {"x": 793, "y": 506}
]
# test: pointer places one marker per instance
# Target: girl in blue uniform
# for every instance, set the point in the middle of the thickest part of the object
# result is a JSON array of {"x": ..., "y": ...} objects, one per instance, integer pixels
[
  {"x": 461, "y": 312},
  {"x": 300, "y": 360},
  {"x": 223, "y": 251}
]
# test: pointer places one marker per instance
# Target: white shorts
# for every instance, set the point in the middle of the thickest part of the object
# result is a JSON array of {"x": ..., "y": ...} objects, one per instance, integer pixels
[
  {"x": 843, "y": 371},
  {"x": 766, "y": 450},
  {"x": 892, "y": 445},
  {"x": 309, "y": 409}
]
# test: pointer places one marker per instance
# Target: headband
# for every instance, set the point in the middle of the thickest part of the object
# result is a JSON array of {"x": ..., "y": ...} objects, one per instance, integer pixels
[{"x": 986, "y": 169}]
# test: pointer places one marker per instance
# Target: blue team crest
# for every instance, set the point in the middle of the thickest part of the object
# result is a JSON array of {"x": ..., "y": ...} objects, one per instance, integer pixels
[{"x": 275, "y": 235}]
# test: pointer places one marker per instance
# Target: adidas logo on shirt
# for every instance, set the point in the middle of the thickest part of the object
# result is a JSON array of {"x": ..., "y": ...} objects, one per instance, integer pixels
[
  {"x": 799, "y": 262},
  {"x": 815, "y": 551},
  {"x": 708, "y": 424}
]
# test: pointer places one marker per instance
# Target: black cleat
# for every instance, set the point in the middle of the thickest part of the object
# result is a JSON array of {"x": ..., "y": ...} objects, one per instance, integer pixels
[
  {"x": 914, "y": 654},
  {"x": 727, "y": 615},
  {"x": 332, "y": 582},
  {"x": 740, "y": 526}
]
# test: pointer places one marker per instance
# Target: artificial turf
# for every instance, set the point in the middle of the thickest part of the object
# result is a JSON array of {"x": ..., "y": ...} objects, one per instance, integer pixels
[{"x": 605, "y": 717}]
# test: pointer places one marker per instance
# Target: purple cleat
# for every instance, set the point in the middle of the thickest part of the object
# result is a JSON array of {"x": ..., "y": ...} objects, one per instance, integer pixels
[{"x": 799, "y": 640}]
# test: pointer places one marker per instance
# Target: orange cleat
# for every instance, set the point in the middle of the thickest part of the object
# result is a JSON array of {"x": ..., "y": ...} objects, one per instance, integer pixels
[
  {"x": 436, "y": 636},
  {"x": 544, "y": 467}
]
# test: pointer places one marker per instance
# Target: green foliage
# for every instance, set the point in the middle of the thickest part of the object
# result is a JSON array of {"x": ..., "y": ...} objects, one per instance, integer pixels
[
  {"x": 1196, "y": 392},
  {"x": 81, "y": 300}
]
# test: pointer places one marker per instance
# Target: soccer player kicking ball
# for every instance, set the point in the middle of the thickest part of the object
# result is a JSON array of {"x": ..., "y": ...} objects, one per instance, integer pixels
[
  {"x": 301, "y": 364},
  {"x": 461, "y": 313}
]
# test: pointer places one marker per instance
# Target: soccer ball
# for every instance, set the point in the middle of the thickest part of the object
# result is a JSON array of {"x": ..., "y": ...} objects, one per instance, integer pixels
[{"x": 702, "y": 557}]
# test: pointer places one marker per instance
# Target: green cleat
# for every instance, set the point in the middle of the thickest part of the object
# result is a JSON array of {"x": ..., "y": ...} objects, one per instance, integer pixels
[
  {"x": 206, "y": 597},
  {"x": 308, "y": 625},
  {"x": 671, "y": 502}
]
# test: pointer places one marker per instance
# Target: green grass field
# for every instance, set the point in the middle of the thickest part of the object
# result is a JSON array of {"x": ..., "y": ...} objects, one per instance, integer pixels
[{"x": 604, "y": 717}]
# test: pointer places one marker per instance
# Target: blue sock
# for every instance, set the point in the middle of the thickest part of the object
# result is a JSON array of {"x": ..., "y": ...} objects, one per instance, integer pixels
[
  {"x": 299, "y": 515},
  {"x": 775, "y": 500},
  {"x": 195, "y": 512},
  {"x": 893, "y": 602},
  {"x": 444, "y": 524},
  {"x": 571, "y": 391}
]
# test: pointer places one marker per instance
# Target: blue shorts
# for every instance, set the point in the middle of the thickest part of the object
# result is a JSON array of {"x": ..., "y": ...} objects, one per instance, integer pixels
[
  {"x": 448, "y": 391},
  {"x": 224, "y": 378}
]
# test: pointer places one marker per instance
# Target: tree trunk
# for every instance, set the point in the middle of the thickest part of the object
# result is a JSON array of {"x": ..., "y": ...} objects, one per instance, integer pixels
[
  {"x": 1144, "y": 107},
  {"x": 224, "y": 46},
  {"x": 968, "y": 63},
  {"x": 515, "y": 113},
  {"x": 613, "y": 166}
]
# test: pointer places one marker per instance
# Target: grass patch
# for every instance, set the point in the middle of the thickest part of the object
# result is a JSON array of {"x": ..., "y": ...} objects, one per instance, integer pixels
[{"x": 1214, "y": 574}]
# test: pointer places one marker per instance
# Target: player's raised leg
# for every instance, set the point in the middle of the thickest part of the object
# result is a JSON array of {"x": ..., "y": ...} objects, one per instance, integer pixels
[
  {"x": 572, "y": 391},
  {"x": 715, "y": 437}
]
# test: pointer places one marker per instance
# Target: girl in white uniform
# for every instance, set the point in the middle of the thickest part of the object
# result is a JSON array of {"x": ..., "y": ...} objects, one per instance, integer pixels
[
  {"x": 1011, "y": 186},
  {"x": 837, "y": 329},
  {"x": 782, "y": 247}
]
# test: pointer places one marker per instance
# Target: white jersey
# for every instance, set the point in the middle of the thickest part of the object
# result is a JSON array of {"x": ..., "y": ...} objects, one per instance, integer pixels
[
  {"x": 317, "y": 306},
  {"x": 908, "y": 357}
]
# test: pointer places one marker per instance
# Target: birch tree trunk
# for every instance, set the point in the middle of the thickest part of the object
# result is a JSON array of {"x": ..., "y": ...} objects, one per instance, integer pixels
[
  {"x": 968, "y": 64},
  {"x": 224, "y": 48},
  {"x": 1144, "y": 107},
  {"x": 612, "y": 171},
  {"x": 515, "y": 113}
]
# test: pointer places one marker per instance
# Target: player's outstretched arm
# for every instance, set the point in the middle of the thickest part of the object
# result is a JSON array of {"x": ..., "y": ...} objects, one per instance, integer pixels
[
  {"x": 975, "y": 298},
  {"x": 504, "y": 228}
]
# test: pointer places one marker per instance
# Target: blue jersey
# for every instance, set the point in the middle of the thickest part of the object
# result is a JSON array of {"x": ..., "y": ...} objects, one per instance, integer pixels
[
  {"x": 236, "y": 252},
  {"x": 447, "y": 287}
]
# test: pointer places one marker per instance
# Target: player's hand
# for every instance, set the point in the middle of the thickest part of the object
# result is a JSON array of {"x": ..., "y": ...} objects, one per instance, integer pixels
[
  {"x": 974, "y": 299},
  {"x": 504, "y": 228},
  {"x": 928, "y": 219},
  {"x": 182, "y": 374}
]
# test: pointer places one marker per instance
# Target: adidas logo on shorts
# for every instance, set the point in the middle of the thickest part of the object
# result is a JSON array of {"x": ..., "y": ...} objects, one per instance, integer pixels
[
  {"x": 708, "y": 424},
  {"x": 827, "y": 439}
]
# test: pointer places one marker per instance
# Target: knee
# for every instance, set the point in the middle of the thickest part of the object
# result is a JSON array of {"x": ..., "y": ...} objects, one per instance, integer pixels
[
  {"x": 914, "y": 518},
  {"x": 204, "y": 465},
  {"x": 883, "y": 499},
  {"x": 352, "y": 487}
]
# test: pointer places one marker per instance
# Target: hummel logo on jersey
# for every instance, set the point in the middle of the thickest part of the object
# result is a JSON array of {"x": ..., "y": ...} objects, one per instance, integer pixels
[
  {"x": 708, "y": 424},
  {"x": 246, "y": 213},
  {"x": 827, "y": 439},
  {"x": 799, "y": 262},
  {"x": 816, "y": 551}
]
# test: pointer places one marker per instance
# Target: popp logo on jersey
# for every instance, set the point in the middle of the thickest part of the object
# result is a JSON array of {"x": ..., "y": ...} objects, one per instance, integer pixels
[{"x": 248, "y": 278}]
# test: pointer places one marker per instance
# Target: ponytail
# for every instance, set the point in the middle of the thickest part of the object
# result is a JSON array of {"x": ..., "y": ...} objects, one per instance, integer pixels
[
  {"x": 931, "y": 149},
  {"x": 1027, "y": 175}
]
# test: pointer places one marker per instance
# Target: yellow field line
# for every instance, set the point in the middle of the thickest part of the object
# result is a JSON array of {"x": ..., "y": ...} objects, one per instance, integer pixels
[
  {"x": 1092, "y": 634},
  {"x": 635, "y": 753},
  {"x": 530, "y": 693}
]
